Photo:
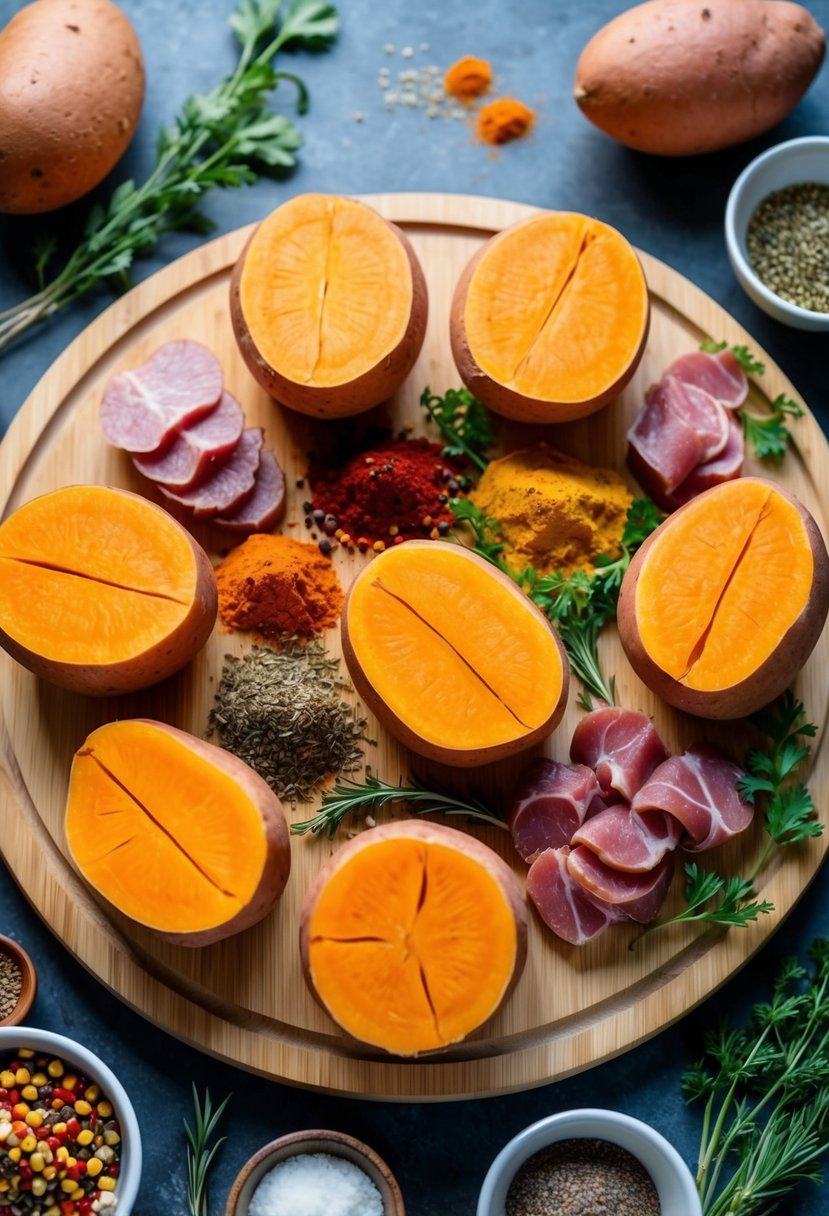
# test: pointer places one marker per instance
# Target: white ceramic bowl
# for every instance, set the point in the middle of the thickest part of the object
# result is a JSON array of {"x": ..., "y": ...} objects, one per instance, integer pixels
[
  {"x": 798, "y": 160},
  {"x": 671, "y": 1176},
  {"x": 48, "y": 1043}
]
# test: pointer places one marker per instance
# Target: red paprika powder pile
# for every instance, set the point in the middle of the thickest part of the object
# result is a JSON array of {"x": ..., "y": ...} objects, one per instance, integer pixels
[{"x": 395, "y": 491}]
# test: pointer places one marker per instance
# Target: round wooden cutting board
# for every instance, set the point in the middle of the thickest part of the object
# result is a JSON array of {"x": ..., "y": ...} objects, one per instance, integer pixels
[{"x": 245, "y": 999}]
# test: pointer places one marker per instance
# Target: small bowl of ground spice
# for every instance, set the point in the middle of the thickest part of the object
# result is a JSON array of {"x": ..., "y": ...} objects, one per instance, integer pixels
[
  {"x": 777, "y": 232},
  {"x": 18, "y": 982},
  {"x": 589, "y": 1161},
  {"x": 315, "y": 1171}
]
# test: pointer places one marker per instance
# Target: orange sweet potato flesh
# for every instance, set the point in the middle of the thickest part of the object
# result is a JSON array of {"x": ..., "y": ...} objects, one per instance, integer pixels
[
  {"x": 413, "y": 935},
  {"x": 101, "y": 591},
  {"x": 549, "y": 319},
  {"x": 451, "y": 655},
  {"x": 723, "y": 605},
  {"x": 329, "y": 305},
  {"x": 176, "y": 833}
]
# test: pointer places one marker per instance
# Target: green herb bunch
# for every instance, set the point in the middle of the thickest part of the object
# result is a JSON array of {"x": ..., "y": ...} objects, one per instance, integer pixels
[
  {"x": 225, "y": 138},
  {"x": 766, "y": 1093},
  {"x": 767, "y": 433}
]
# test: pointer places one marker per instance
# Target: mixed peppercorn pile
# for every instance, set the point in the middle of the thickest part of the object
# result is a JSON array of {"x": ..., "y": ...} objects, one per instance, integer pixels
[{"x": 60, "y": 1143}]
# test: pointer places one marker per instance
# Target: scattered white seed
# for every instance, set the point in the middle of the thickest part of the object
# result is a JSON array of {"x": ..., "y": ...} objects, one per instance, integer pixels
[
  {"x": 359, "y": 116},
  {"x": 388, "y": 49},
  {"x": 407, "y": 52},
  {"x": 371, "y": 822}
]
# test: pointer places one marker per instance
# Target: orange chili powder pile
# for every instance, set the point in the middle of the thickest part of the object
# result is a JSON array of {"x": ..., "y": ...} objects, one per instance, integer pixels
[
  {"x": 470, "y": 77},
  {"x": 502, "y": 120},
  {"x": 278, "y": 585}
]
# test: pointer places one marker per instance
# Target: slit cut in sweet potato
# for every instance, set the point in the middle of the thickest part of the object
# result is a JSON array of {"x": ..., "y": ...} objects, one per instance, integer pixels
[
  {"x": 550, "y": 317},
  {"x": 101, "y": 591},
  {"x": 413, "y": 935},
  {"x": 175, "y": 833},
  {"x": 724, "y": 603},
  {"x": 329, "y": 305},
  {"x": 451, "y": 656}
]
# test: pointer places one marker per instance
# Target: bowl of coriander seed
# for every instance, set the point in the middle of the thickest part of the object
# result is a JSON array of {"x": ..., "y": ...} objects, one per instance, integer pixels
[{"x": 777, "y": 232}]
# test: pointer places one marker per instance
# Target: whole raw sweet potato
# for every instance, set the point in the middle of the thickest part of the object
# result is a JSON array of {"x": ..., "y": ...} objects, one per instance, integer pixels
[{"x": 679, "y": 77}]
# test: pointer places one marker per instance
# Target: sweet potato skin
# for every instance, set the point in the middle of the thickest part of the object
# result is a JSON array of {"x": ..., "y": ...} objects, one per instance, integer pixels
[
  {"x": 456, "y": 757},
  {"x": 341, "y": 401},
  {"x": 768, "y": 680},
  {"x": 420, "y": 829},
  {"x": 682, "y": 77},
  {"x": 503, "y": 399}
]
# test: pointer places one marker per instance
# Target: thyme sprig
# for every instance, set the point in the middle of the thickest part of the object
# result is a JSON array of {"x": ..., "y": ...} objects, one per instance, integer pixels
[
  {"x": 789, "y": 818},
  {"x": 767, "y": 433},
  {"x": 347, "y": 797},
  {"x": 766, "y": 1093},
  {"x": 222, "y": 139},
  {"x": 200, "y": 1153}
]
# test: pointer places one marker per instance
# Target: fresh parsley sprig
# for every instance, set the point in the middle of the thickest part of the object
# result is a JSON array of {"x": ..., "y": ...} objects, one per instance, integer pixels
[
  {"x": 766, "y": 1093},
  {"x": 347, "y": 797},
  {"x": 463, "y": 421},
  {"x": 200, "y": 1152},
  {"x": 222, "y": 139},
  {"x": 767, "y": 433}
]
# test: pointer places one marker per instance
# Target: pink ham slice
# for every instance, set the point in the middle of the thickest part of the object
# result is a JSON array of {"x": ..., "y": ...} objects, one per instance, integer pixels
[
  {"x": 621, "y": 746},
  {"x": 708, "y": 417},
  {"x": 266, "y": 505},
  {"x": 564, "y": 905},
  {"x": 145, "y": 408},
  {"x": 551, "y": 801},
  {"x": 231, "y": 485},
  {"x": 725, "y": 467},
  {"x": 628, "y": 842},
  {"x": 663, "y": 446},
  {"x": 639, "y": 896},
  {"x": 197, "y": 449},
  {"x": 720, "y": 375},
  {"x": 699, "y": 788}
]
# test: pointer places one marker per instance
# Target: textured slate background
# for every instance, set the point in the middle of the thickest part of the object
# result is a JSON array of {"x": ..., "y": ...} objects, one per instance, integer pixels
[{"x": 672, "y": 209}]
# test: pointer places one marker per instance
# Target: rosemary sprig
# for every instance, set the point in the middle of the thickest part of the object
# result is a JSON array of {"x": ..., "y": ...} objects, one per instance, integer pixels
[
  {"x": 767, "y": 433},
  {"x": 463, "y": 421},
  {"x": 224, "y": 138},
  {"x": 200, "y": 1153},
  {"x": 789, "y": 818},
  {"x": 766, "y": 1092},
  {"x": 347, "y": 797}
]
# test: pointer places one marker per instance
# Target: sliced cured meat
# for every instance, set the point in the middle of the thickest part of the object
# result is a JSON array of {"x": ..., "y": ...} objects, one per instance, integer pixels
[
  {"x": 707, "y": 416},
  {"x": 266, "y": 505},
  {"x": 627, "y": 842},
  {"x": 720, "y": 375},
  {"x": 663, "y": 447},
  {"x": 145, "y": 408},
  {"x": 621, "y": 746},
  {"x": 699, "y": 788},
  {"x": 232, "y": 483},
  {"x": 725, "y": 467},
  {"x": 197, "y": 449},
  {"x": 551, "y": 801},
  {"x": 564, "y": 905},
  {"x": 639, "y": 896}
]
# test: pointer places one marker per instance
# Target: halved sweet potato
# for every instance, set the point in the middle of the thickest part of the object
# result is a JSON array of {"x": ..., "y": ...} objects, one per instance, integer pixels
[
  {"x": 726, "y": 600},
  {"x": 413, "y": 935},
  {"x": 177, "y": 834},
  {"x": 329, "y": 306},
  {"x": 102, "y": 591},
  {"x": 550, "y": 317},
  {"x": 451, "y": 656}
]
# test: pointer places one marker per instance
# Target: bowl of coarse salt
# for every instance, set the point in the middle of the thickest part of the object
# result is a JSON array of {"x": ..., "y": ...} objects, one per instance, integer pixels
[{"x": 314, "y": 1171}]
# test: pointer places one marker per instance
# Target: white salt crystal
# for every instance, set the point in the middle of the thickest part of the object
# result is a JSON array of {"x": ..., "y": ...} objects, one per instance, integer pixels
[{"x": 316, "y": 1184}]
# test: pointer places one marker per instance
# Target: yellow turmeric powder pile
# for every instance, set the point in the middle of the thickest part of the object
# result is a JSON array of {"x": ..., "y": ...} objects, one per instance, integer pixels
[
  {"x": 555, "y": 512},
  {"x": 502, "y": 120},
  {"x": 277, "y": 585},
  {"x": 467, "y": 79}
]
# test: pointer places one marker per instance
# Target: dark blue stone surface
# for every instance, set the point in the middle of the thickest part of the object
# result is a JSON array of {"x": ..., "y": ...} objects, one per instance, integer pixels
[{"x": 672, "y": 209}]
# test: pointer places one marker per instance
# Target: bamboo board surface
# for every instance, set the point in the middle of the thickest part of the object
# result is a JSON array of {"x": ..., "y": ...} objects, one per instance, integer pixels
[{"x": 245, "y": 1000}]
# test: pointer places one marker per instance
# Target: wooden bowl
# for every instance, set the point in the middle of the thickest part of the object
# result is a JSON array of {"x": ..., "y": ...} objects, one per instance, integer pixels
[
  {"x": 336, "y": 1144},
  {"x": 28, "y": 989}
]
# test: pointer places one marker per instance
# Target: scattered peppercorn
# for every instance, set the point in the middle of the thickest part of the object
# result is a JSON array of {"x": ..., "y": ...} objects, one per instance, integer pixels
[
  {"x": 787, "y": 242},
  {"x": 580, "y": 1178}
]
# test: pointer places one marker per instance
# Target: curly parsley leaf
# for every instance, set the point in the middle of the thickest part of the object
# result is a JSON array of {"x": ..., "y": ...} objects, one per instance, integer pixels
[
  {"x": 747, "y": 361},
  {"x": 463, "y": 421},
  {"x": 768, "y": 433}
]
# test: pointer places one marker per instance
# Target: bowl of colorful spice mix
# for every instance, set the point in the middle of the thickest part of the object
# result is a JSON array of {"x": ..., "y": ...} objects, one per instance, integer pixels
[
  {"x": 18, "y": 982},
  {"x": 589, "y": 1160},
  {"x": 777, "y": 232},
  {"x": 308, "y": 1172},
  {"x": 69, "y": 1138}
]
